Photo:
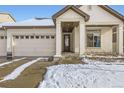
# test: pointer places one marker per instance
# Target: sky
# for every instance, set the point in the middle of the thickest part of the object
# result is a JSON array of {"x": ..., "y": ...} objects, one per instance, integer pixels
[{"x": 21, "y": 12}]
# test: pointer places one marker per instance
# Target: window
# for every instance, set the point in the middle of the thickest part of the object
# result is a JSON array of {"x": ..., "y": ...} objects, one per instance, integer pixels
[
  {"x": 93, "y": 39},
  {"x": 52, "y": 37},
  {"x": 16, "y": 37},
  {"x": 32, "y": 37},
  {"x": 47, "y": 37},
  {"x": 5, "y": 37},
  {"x": 89, "y": 40},
  {"x": 42, "y": 37},
  {"x": 2, "y": 37},
  {"x": 114, "y": 37},
  {"x": 27, "y": 37},
  {"x": 21, "y": 37},
  {"x": 37, "y": 37}
]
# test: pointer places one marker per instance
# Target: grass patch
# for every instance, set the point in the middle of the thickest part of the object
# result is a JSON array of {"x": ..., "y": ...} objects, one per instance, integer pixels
[{"x": 7, "y": 69}]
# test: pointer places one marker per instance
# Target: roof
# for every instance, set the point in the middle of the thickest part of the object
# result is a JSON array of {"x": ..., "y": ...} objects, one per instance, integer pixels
[
  {"x": 5, "y": 23},
  {"x": 9, "y": 15},
  {"x": 110, "y": 10},
  {"x": 74, "y": 8},
  {"x": 32, "y": 22}
]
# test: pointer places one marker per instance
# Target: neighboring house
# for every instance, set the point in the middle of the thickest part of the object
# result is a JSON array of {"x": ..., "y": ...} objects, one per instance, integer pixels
[
  {"x": 6, "y": 17},
  {"x": 77, "y": 29}
]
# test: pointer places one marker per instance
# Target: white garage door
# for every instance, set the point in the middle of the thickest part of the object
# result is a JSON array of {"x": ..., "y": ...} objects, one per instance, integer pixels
[
  {"x": 34, "y": 45},
  {"x": 3, "y": 45}
]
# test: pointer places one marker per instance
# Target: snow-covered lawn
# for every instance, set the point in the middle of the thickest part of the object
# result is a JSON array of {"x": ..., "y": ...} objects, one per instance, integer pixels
[
  {"x": 94, "y": 62},
  {"x": 97, "y": 74}
]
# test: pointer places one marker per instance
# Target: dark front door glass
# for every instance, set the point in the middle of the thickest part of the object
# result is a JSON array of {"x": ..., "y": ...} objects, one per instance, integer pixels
[{"x": 66, "y": 43}]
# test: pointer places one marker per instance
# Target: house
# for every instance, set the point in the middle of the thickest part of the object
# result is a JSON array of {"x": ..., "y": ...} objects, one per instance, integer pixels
[
  {"x": 77, "y": 29},
  {"x": 6, "y": 17}
]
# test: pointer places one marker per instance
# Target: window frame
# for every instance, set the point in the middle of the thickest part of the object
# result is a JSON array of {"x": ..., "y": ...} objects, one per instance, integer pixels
[
  {"x": 27, "y": 37},
  {"x": 47, "y": 37},
  {"x": 32, "y": 37},
  {"x": 92, "y": 32},
  {"x": 52, "y": 37},
  {"x": 37, "y": 37},
  {"x": 2, "y": 37},
  {"x": 16, "y": 37},
  {"x": 42, "y": 36},
  {"x": 21, "y": 37},
  {"x": 114, "y": 35}
]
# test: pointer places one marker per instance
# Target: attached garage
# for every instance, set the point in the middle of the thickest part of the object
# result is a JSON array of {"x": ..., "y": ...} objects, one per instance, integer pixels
[
  {"x": 34, "y": 45},
  {"x": 3, "y": 43},
  {"x": 33, "y": 37}
]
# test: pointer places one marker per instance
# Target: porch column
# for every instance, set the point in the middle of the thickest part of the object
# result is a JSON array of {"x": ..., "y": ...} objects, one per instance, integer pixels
[
  {"x": 82, "y": 33},
  {"x": 120, "y": 38},
  {"x": 9, "y": 46},
  {"x": 58, "y": 39}
]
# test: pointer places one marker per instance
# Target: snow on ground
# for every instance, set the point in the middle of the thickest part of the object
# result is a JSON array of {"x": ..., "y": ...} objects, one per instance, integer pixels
[
  {"x": 6, "y": 63},
  {"x": 18, "y": 70},
  {"x": 89, "y": 61},
  {"x": 84, "y": 75}
]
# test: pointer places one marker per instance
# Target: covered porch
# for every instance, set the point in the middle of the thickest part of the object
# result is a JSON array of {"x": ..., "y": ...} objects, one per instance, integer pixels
[
  {"x": 70, "y": 37},
  {"x": 85, "y": 39}
]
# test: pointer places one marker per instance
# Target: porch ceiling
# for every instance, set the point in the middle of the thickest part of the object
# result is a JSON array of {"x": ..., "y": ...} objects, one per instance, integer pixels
[{"x": 68, "y": 26}]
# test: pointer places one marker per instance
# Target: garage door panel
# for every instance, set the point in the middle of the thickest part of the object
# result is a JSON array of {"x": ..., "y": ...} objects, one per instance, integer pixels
[{"x": 34, "y": 47}]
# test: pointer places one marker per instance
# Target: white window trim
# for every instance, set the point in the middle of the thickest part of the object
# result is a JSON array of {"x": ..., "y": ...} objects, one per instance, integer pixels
[{"x": 91, "y": 31}]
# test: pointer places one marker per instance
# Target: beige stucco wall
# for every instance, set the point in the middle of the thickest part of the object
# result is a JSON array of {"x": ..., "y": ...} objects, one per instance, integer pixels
[
  {"x": 69, "y": 16},
  {"x": 99, "y": 15},
  {"x": 5, "y": 18}
]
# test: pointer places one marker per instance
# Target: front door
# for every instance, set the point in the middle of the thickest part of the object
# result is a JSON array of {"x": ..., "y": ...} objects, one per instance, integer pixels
[{"x": 67, "y": 43}]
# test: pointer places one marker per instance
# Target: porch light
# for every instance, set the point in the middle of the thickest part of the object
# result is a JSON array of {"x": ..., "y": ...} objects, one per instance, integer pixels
[
  {"x": 68, "y": 24},
  {"x": 67, "y": 29},
  {"x": 4, "y": 28}
]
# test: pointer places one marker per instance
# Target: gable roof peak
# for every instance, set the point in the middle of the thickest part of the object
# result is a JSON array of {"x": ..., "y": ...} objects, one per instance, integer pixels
[{"x": 74, "y": 8}]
